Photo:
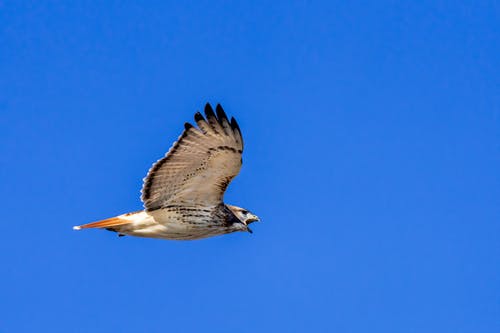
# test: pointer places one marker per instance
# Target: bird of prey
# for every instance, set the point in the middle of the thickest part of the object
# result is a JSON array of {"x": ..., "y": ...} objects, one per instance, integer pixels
[{"x": 183, "y": 192}]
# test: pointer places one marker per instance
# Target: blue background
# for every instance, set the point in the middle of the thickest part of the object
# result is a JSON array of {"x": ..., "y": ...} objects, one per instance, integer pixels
[{"x": 372, "y": 157}]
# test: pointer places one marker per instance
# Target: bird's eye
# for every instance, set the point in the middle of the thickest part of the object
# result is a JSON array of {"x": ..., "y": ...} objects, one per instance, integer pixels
[{"x": 244, "y": 212}]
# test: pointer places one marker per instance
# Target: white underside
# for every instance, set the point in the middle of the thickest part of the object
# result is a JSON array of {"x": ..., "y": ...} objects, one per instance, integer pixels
[{"x": 164, "y": 226}]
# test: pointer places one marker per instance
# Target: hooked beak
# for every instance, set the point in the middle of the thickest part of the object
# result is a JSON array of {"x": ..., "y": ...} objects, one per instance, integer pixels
[{"x": 250, "y": 219}]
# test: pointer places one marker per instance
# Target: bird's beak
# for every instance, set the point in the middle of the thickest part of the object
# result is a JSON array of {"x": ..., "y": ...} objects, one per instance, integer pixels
[{"x": 252, "y": 218}]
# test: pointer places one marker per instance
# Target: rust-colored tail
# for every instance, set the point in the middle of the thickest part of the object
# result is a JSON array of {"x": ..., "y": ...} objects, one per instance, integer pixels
[{"x": 111, "y": 222}]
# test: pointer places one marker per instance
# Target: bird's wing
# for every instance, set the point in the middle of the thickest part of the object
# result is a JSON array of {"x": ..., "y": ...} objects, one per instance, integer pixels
[{"x": 199, "y": 166}]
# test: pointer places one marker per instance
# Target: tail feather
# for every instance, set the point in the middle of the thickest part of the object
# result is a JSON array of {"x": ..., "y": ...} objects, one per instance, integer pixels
[{"x": 111, "y": 222}]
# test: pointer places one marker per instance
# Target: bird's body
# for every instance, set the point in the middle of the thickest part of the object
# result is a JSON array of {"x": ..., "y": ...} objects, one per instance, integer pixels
[{"x": 183, "y": 191}]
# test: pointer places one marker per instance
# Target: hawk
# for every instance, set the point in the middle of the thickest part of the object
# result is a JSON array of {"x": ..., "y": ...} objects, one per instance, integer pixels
[{"x": 183, "y": 192}]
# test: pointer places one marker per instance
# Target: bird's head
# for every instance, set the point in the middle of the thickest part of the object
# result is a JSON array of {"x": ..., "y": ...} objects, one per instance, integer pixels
[{"x": 244, "y": 216}]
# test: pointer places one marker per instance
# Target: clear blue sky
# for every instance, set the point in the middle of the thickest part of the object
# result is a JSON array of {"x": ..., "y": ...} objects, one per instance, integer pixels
[{"x": 372, "y": 156}]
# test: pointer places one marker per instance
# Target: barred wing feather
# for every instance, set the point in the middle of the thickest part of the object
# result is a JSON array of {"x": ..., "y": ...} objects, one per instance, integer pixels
[{"x": 199, "y": 166}]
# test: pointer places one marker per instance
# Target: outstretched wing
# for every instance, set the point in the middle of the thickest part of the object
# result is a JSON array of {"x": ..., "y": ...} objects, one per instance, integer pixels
[{"x": 199, "y": 166}]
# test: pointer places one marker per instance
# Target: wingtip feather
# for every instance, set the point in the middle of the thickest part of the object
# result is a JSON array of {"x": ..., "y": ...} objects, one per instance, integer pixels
[
  {"x": 209, "y": 112},
  {"x": 198, "y": 117},
  {"x": 234, "y": 124},
  {"x": 221, "y": 115}
]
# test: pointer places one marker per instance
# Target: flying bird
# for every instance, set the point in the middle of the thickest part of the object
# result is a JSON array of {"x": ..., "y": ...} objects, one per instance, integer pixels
[{"x": 183, "y": 192}]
